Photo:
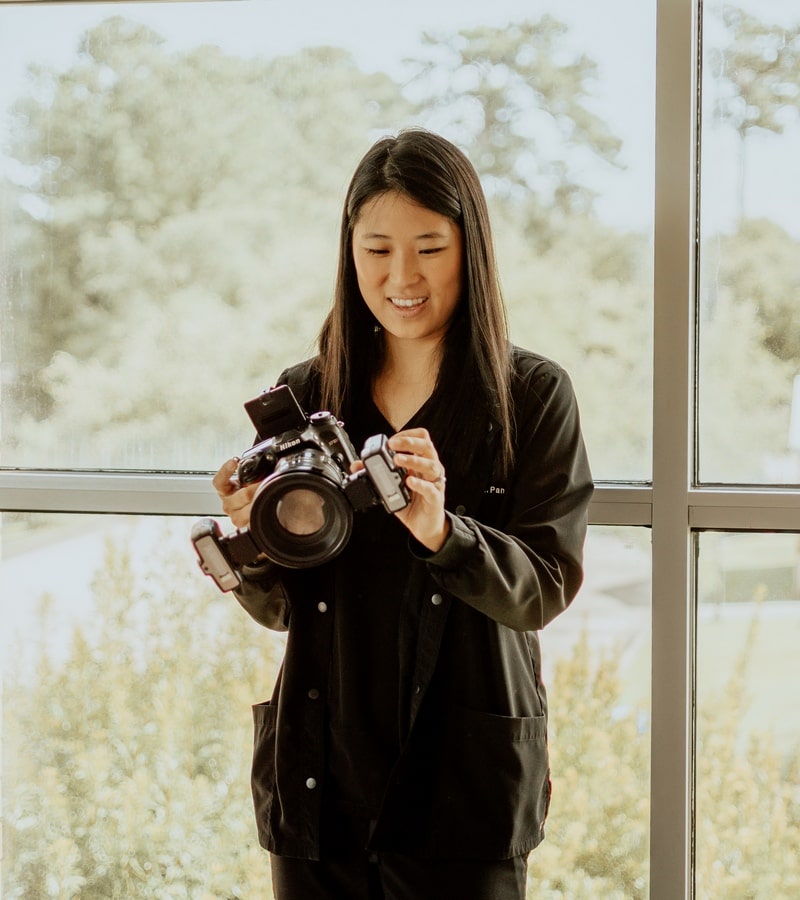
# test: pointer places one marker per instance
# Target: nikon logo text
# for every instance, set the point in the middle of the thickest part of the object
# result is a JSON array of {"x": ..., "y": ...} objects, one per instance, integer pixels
[{"x": 281, "y": 447}]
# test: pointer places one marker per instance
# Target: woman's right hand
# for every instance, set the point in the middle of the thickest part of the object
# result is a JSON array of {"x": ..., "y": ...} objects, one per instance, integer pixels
[{"x": 236, "y": 501}]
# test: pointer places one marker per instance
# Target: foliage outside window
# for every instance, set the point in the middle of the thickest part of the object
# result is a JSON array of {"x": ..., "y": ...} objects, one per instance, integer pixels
[
  {"x": 749, "y": 315},
  {"x": 173, "y": 221}
]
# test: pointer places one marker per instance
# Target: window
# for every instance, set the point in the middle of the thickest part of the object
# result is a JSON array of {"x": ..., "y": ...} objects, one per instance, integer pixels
[
  {"x": 166, "y": 170},
  {"x": 748, "y": 619},
  {"x": 748, "y": 318},
  {"x": 169, "y": 174},
  {"x": 126, "y": 713}
]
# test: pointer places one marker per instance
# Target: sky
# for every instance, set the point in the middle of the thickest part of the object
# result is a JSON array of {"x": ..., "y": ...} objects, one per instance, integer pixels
[{"x": 618, "y": 34}]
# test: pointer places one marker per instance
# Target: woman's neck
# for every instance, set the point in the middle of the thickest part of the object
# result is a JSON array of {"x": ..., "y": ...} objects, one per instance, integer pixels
[
  {"x": 410, "y": 363},
  {"x": 406, "y": 380}
]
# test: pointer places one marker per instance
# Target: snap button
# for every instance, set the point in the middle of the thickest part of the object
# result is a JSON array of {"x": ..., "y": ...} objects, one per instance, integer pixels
[
  {"x": 313, "y": 694},
  {"x": 311, "y": 783},
  {"x": 460, "y": 509},
  {"x": 322, "y": 606},
  {"x": 436, "y": 599}
]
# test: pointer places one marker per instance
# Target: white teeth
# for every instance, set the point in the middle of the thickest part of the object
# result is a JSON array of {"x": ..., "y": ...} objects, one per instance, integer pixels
[{"x": 407, "y": 304}]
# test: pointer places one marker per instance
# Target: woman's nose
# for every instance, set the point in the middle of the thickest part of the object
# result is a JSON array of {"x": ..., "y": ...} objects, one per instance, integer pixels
[{"x": 404, "y": 269}]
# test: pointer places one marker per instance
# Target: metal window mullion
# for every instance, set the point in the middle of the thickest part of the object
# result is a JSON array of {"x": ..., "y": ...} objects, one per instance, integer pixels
[
  {"x": 674, "y": 287},
  {"x": 621, "y": 505},
  {"x": 191, "y": 494},
  {"x": 106, "y": 492},
  {"x": 744, "y": 510}
]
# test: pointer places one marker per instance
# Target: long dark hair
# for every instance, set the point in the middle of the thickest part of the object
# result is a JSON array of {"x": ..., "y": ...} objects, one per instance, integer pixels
[{"x": 475, "y": 371}]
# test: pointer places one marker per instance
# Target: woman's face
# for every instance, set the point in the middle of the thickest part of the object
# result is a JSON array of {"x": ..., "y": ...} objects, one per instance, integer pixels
[{"x": 408, "y": 262}]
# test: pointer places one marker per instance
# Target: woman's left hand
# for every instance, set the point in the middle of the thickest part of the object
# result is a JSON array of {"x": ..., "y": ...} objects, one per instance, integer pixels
[{"x": 424, "y": 516}]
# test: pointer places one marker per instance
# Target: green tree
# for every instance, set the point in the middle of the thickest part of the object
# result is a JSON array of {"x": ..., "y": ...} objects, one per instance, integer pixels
[
  {"x": 125, "y": 766},
  {"x": 168, "y": 195},
  {"x": 139, "y": 139},
  {"x": 761, "y": 67},
  {"x": 743, "y": 396},
  {"x": 749, "y": 352},
  {"x": 757, "y": 78},
  {"x": 758, "y": 264},
  {"x": 126, "y": 758},
  {"x": 586, "y": 301},
  {"x": 121, "y": 282},
  {"x": 597, "y": 834},
  {"x": 518, "y": 99},
  {"x": 748, "y": 805},
  {"x": 748, "y": 811}
]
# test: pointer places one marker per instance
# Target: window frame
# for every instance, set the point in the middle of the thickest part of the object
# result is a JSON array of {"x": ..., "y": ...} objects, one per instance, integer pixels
[{"x": 673, "y": 505}]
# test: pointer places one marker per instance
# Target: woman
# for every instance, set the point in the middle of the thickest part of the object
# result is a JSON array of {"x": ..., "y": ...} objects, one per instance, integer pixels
[{"x": 404, "y": 751}]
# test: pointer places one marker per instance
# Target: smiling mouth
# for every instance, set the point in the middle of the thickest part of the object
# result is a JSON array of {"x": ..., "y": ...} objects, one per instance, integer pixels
[{"x": 403, "y": 303}]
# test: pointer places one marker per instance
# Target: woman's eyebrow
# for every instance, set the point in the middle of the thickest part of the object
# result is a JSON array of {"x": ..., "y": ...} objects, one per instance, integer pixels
[{"x": 429, "y": 235}]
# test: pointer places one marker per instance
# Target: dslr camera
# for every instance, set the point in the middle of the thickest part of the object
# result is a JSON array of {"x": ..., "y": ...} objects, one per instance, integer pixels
[{"x": 302, "y": 512}]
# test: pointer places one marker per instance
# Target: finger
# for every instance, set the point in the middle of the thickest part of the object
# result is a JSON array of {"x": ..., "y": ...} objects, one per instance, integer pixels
[
  {"x": 426, "y": 488},
  {"x": 237, "y": 506},
  {"x": 413, "y": 433},
  {"x": 414, "y": 440},
  {"x": 241, "y": 498},
  {"x": 224, "y": 482},
  {"x": 427, "y": 502},
  {"x": 431, "y": 469}
]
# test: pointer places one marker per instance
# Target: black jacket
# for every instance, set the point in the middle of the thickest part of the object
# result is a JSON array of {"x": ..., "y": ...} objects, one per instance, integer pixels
[{"x": 472, "y": 777}]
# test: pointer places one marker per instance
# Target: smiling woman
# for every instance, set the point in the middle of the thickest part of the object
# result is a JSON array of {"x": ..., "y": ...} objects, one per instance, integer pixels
[
  {"x": 408, "y": 262},
  {"x": 434, "y": 610}
]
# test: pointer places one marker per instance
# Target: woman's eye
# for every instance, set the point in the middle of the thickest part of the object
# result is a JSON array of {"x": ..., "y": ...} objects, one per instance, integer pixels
[
  {"x": 429, "y": 251},
  {"x": 373, "y": 251}
]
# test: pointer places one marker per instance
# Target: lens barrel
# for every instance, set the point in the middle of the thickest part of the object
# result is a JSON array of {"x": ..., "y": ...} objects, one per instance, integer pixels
[{"x": 300, "y": 515}]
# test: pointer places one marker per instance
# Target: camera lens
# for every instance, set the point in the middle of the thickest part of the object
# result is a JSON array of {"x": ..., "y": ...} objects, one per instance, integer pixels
[
  {"x": 300, "y": 515},
  {"x": 301, "y": 511}
]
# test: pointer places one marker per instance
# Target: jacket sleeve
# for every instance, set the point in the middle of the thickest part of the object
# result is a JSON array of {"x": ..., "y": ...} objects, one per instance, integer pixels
[
  {"x": 263, "y": 595},
  {"x": 524, "y": 575}
]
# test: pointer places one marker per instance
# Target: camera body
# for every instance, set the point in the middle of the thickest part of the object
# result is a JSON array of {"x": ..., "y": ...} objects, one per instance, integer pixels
[{"x": 302, "y": 511}]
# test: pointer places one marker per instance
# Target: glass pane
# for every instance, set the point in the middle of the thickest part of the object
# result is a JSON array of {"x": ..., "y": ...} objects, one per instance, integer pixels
[
  {"x": 126, "y": 722},
  {"x": 748, "y": 718},
  {"x": 749, "y": 317},
  {"x": 127, "y": 685},
  {"x": 597, "y": 663},
  {"x": 170, "y": 183}
]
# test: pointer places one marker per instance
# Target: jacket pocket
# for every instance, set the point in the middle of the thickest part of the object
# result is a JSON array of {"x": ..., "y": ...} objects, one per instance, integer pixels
[
  {"x": 492, "y": 792},
  {"x": 262, "y": 778}
]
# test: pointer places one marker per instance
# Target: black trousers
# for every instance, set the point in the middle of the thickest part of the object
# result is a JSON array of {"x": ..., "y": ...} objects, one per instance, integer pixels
[{"x": 389, "y": 876}]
